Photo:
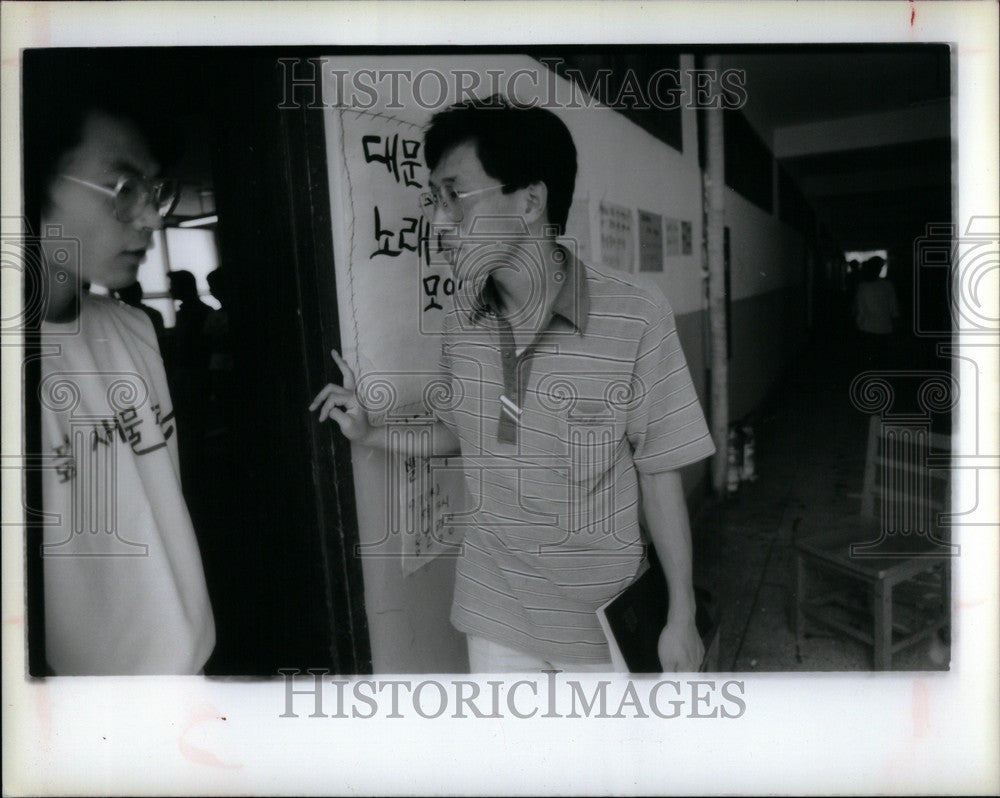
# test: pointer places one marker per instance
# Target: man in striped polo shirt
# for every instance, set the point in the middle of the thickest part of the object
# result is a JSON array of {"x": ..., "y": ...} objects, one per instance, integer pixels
[{"x": 570, "y": 402}]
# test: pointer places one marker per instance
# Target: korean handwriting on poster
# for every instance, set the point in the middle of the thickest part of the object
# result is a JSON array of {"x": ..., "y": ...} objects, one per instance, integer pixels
[
  {"x": 431, "y": 285},
  {"x": 401, "y": 159},
  {"x": 431, "y": 495},
  {"x": 387, "y": 152},
  {"x": 411, "y": 235}
]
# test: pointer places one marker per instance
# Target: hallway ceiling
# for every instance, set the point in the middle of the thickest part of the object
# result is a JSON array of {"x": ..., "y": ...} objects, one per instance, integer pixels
[{"x": 864, "y": 131}]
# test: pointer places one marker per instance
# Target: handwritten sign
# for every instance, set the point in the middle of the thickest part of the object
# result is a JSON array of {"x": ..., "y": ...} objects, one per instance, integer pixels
[
  {"x": 393, "y": 298},
  {"x": 429, "y": 509}
]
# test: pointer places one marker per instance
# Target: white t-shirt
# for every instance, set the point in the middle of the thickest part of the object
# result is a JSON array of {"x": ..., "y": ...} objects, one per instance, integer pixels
[
  {"x": 875, "y": 307},
  {"x": 124, "y": 586}
]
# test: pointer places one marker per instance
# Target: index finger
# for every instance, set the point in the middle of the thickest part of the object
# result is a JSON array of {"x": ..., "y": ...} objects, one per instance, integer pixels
[{"x": 349, "y": 381}]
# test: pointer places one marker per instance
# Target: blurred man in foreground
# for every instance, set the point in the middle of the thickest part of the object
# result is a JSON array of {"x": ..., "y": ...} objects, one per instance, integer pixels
[{"x": 124, "y": 589}]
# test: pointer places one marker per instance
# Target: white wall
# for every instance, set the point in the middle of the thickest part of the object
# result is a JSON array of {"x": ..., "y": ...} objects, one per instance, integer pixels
[
  {"x": 767, "y": 279},
  {"x": 622, "y": 163},
  {"x": 765, "y": 253}
]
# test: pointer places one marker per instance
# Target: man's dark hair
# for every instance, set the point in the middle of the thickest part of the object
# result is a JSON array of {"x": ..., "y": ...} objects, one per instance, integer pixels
[
  {"x": 183, "y": 285},
  {"x": 872, "y": 268},
  {"x": 61, "y": 90},
  {"x": 518, "y": 146},
  {"x": 130, "y": 294},
  {"x": 218, "y": 285}
]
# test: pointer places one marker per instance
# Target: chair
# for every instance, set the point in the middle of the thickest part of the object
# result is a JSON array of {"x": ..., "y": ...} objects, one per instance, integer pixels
[{"x": 892, "y": 591}]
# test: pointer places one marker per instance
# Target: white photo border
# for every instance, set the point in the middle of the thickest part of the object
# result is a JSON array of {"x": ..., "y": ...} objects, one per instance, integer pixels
[{"x": 886, "y": 733}]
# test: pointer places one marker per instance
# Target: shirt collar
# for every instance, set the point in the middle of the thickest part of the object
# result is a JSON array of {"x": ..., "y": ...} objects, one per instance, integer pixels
[{"x": 572, "y": 303}]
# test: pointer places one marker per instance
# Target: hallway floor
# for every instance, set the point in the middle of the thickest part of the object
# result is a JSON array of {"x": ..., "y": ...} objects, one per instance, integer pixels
[{"x": 810, "y": 457}]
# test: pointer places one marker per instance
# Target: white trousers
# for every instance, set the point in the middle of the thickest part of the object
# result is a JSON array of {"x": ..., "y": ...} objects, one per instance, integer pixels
[{"x": 486, "y": 656}]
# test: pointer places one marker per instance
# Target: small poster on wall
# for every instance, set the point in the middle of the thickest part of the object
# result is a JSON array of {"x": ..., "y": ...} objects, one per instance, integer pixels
[
  {"x": 650, "y": 242},
  {"x": 617, "y": 236},
  {"x": 430, "y": 494},
  {"x": 672, "y": 236}
]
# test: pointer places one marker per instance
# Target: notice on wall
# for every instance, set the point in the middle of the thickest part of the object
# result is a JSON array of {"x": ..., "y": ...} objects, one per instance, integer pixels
[
  {"x": 672, "y": 237},
  {"x": 617, "y": 236},
  {"x": 393, "y": 296},
  {"x": 387, "y": 239},
  {"x": 686, "y": 246},
  {"x": 429, "y": 509},
  {"x": 650, "y": 242}
]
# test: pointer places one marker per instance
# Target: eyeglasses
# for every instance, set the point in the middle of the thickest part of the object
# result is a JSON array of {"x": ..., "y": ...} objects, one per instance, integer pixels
[
  {"x": 448, "y": 199},
  {"x": 133, "y": 193}
]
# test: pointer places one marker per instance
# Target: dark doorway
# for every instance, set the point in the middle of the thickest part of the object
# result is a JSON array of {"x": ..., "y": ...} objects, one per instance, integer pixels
[{"x": 270, "y": 492}]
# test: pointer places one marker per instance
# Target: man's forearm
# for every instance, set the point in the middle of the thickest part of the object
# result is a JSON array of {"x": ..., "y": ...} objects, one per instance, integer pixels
[
  {"x": 443, "y": 440},
  {"x": 669, "y": 527}
]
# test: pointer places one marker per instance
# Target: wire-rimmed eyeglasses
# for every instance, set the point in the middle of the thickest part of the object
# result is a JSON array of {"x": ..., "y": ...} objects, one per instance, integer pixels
[
  {"x": 449, "y": 200},
  {"x": 132, "y": 193}
]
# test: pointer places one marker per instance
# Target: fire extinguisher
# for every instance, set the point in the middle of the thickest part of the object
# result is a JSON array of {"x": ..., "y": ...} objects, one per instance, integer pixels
[
  {"x": 734, "y": 455},
  {"x": 748, "y": 466}
]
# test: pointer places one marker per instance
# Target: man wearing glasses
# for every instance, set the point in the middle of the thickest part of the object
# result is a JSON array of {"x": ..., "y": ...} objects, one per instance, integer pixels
[
  {"x": 124, "y": 588},
  {"x": 573, "y": 406}
]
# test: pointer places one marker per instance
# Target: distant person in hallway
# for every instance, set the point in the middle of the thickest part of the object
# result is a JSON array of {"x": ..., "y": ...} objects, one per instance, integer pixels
[
  {"x": 875, "y": 312},
  {"x": 574, "y": 406},
  {"x": 189, "y": 382},
  {"x": 132, "y": 295},
  {"x": 189, "y": 329},
  {"x": 124, "y": 587},
  {"x": 220, "y": 347}
]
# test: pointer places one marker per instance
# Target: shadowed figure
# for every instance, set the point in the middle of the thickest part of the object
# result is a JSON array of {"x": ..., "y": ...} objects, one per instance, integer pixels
[
  {"x": 220, "y": 360},
  {"x": 188, "y": 374},
  {"x": 875, "y": 311},
  {"x": 132, "y": 295}
]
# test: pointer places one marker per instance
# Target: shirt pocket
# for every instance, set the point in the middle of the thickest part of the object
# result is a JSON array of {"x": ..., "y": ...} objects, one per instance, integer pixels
[{"x": 579, "y": 424}]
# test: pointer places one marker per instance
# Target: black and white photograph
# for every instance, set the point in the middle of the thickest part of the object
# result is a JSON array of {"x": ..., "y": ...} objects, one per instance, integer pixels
[{"x": 384, "y": 409}]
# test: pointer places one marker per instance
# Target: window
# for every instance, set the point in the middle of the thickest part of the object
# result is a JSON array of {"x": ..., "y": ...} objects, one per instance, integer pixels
[
  {"x": 862, "y": 255},
  {"x": 178, "y": 248}
]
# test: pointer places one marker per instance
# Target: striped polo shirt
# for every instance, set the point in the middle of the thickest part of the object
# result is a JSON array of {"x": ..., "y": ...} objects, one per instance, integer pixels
[{"x": 551, "y": 439}]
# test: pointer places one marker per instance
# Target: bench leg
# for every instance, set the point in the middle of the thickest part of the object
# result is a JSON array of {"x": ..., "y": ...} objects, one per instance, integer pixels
[
  {"x": 882, "y": 612},
  {"x": 800, "y": 597}
]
